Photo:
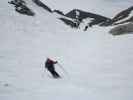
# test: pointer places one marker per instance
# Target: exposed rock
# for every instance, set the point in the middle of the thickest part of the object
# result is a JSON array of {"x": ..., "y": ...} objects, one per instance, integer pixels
[
  {"x": 17, "y": 3},
  {"x": 96, "y": 19},
  {"x": 69, "y": 22},
  {"x": 25, "y": 10},
  {"x": 20, "y": 7},
  {"x": 123, "y": 14},
  {"x": 59, "y": 12},
  {"x": 122, "y": 29},
  {"x": 76, "y": 17},
  {"x": 76, "y": 13},
  {"x": 41, "y": 4},
  {"x": 79, "y": 14},
  {"x": 125, "y": 21}
]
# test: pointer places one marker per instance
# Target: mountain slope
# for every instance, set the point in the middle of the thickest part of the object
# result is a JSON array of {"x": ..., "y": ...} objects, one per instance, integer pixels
[{"x": 99, "y": 65}]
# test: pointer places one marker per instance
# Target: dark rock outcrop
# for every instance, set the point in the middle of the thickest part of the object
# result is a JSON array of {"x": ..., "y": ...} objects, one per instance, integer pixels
[
  {"x": 76, "y": 16},
  {"x": 59, "y": 12},
  {"x": 82, "y": 15},
  {"x": 123, "y": 14},
  {"x": 69, "y": 22},
  {"x": 96, "y": 19},
  {"x": 122, "y": 29},
  {"x": 125, "y": 21},
  {"x": 21, "y": 7},
  {"x": 41, "y": 4}
]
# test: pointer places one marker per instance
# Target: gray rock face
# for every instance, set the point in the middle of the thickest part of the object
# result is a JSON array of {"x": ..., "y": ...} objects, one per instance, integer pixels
[
  {"x": 21, "y": 7},
  {"x": 122, "y": 29},
  {"x": 123, "y": 14},
  {"x": 41, "y": 4}
]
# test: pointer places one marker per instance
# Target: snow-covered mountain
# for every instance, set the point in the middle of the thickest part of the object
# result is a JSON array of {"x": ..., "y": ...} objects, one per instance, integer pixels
[
  {"x": 76, "y": 16},
  {"x": 124, "y": 16},
  {"x": 98, "y": 65}
]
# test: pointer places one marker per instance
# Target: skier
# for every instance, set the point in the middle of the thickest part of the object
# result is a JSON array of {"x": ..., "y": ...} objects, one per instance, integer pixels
[
  {"x": 86, "y": 27},
  {"x": 49, "y": 65}
]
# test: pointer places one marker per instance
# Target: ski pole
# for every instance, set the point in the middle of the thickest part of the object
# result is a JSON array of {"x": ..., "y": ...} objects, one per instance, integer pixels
[{"x": 62, "y": 68}]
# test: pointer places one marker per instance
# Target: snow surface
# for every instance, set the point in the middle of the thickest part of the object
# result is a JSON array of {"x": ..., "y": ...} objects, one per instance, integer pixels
[{"x": 99, "y": 65}]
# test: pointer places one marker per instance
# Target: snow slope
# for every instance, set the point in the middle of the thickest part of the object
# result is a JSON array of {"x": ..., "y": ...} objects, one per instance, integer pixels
[{"x": 99, "y": 65}]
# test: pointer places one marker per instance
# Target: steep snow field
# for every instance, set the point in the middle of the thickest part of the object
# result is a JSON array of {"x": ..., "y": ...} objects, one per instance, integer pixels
[{"x": 99, "y": 65}]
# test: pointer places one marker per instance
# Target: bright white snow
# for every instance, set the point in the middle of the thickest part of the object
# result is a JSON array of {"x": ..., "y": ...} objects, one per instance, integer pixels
[{"x": 99, "y": 65}]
